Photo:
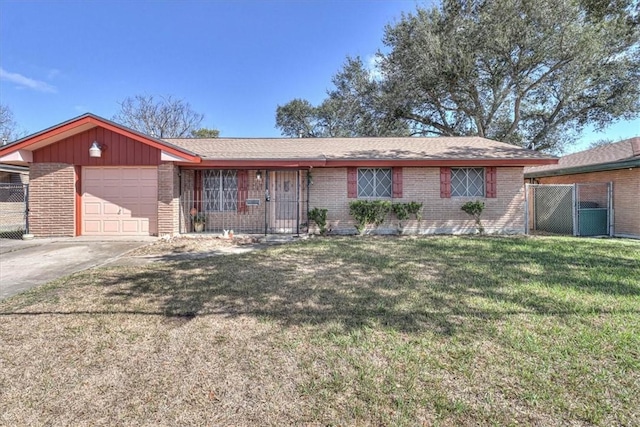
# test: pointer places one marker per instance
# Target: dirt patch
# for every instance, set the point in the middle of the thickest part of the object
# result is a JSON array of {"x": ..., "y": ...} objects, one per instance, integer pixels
[{"x": 191, "y": 245}]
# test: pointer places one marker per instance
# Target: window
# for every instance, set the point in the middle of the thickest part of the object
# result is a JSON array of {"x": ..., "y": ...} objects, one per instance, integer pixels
[
  {"x": 220, "y": 190},
  {"x": 374, "y": 183},
  {"x": 467, "y": 182}
]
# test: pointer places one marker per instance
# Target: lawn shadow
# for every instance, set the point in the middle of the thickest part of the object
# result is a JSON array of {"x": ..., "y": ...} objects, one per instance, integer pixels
[
  {"x": 407, "y": 285},
  {"x": 446, "y": 285}
]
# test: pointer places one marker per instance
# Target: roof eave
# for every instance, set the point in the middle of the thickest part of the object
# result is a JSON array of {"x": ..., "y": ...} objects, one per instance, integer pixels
[
  {"x": 306, "y": 163},
  {"x": 257, "y": 163},
  {"x": 626, "y": 164},
  {"x": 439, "y": 162},
  {"x": 79, "y": 123}
]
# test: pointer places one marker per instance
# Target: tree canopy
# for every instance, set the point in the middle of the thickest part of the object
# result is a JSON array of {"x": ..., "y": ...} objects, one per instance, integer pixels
[
  {"x": 162, "y": 117},
  {"x": 205, "y": 133},
  {"x": 531, "y": 73},
  {"x": 352, "y": 108}
]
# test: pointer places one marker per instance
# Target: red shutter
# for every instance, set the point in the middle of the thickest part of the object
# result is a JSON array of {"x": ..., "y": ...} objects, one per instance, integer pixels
[
  {"x": 492, "y": 182},
  {"x": 352, "y": 183},
  {"x": 397, "y": 183},
  {"x": 243, "y": 190},
  {"x": 445, "y": 183}
]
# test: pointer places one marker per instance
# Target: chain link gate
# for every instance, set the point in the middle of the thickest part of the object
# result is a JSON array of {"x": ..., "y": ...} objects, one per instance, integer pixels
[
  {"x": 573, "y": 209},
  {"x": 13, "y": 210}
]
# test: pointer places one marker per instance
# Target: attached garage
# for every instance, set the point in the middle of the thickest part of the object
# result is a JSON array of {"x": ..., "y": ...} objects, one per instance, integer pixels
[
  {"x": 119, "y": 201},
  {"x": 93, "y": 177}
]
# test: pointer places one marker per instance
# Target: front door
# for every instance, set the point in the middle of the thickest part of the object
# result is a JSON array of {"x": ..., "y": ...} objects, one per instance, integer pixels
[{"x": 285, "y": 209}]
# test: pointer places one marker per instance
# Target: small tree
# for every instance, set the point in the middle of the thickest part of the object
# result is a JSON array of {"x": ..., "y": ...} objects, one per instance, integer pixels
[
  {"x": 9, "y": 128},
  {"x": 475, "y": 210}
]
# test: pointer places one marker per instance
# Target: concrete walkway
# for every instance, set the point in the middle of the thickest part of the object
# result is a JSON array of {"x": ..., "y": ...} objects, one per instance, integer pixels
[{"x": 25, "y": 264}]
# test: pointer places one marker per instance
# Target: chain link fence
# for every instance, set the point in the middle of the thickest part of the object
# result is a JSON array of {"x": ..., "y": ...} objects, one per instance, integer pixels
[
  {"x": 551, "y": 208},
  {"x": 13, "y": 210},
  {"x": 572, "y": 209}
]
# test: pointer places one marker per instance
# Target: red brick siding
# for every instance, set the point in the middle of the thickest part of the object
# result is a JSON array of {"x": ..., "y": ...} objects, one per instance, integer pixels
[
  {"x": 626, "y": 193},
  {"x": 52, "y": 199},
  {"x": 503, "y": 214}
]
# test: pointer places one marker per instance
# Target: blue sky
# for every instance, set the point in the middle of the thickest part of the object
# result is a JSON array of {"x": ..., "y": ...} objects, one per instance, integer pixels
[{"x": 233, "y": 61}]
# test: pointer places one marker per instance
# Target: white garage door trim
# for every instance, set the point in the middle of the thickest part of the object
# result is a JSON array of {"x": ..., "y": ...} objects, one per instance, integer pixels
[{"x": 119, "y": 201}]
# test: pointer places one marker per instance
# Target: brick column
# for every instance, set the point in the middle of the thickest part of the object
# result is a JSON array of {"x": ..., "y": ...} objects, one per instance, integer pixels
[
  {"x": 52, "y": 199},
  {"x": 168, "y": 199}
]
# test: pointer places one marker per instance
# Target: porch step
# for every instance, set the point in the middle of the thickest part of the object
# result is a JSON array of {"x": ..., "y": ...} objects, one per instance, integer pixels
[{"x": 281, "y": 238}]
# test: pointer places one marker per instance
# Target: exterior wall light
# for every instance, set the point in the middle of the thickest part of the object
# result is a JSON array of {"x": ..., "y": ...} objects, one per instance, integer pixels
[
  {"x": 259, "y": 176},
  {"x": 96, "y": 149}
]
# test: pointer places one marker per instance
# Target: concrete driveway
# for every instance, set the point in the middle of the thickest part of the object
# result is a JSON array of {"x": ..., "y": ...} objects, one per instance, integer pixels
[{"x": 26, "y": 264}]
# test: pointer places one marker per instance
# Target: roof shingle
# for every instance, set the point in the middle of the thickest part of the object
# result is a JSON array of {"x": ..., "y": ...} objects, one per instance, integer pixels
[
  {"x": 408, "y": 148},
  {"x": 628, "y": 149}
]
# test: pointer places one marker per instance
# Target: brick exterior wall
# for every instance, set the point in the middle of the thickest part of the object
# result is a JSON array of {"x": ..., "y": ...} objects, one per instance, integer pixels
[
  {"x": 626, "y": 191},
  {"x": 503, "y": 214},
  {"x": 168, "y": 199},
  {"x": 55, "y": 216},
  {"x": 52, "y": 199}
]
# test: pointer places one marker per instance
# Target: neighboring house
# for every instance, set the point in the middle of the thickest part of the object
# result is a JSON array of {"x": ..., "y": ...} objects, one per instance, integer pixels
[
  {"x": 617, "y": 163},
  {"x": 12, "y": 182},
  {"x": 10, "y": 174},
  {"x": 90, "y": 176}
]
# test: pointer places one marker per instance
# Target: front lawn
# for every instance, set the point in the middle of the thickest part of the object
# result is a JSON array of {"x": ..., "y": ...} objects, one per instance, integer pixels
[{"x": 336, "y": 331}]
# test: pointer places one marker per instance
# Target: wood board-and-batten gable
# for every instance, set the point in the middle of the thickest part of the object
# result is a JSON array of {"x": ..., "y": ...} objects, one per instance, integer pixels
[
  {"x": 119, "y": 150},
  {"x": 69, "y": 143}
]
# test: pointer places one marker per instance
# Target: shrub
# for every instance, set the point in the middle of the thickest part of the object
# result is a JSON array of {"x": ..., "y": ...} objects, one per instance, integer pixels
[
  {"x": 319, "y": 216},
  {"x": 400, "y": 210},
  {"x": 475, "y": 209},
  {"x": 415, "y": 208},
  {"x": 369, "y": 212}
]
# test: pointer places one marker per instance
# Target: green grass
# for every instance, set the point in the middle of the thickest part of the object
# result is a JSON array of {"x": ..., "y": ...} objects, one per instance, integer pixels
[{"x": 337, "y": 331}]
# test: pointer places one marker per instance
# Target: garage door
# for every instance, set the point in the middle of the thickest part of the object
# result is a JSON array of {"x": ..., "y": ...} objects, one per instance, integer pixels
[{"x": 119, "y": 201}]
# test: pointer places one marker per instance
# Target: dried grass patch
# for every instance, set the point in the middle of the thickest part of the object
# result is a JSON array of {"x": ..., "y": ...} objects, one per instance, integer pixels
[{"x": 194, "y": 244}]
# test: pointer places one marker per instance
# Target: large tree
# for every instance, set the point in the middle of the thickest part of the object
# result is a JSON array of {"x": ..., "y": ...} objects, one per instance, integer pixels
[
  {"x": 352, "y": 108},
  {"x": 532, "y": 73},
  {"x": 162, "y": 117},
  {"x": 529, "y": 72}
]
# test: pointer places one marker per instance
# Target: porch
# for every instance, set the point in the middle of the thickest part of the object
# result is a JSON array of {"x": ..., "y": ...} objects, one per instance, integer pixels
[{"x": 245, "y": 201}]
